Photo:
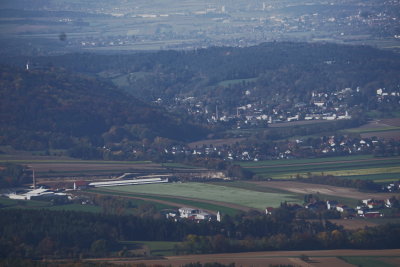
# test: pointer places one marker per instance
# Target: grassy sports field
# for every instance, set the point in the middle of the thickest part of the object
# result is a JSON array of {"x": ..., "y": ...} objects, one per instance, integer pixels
[{"x": 217, "y": 193}]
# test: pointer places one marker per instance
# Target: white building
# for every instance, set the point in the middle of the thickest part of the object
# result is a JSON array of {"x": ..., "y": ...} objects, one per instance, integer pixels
[
  {"x": 36, "y": 193},
  {"x": 187, "y": 212}
]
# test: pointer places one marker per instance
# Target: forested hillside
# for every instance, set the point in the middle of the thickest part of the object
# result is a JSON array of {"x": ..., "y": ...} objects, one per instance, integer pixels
[
  {"x": 41, "y": 109},
  {"x": 285, "y": 68},
  {"x": 48, "y": 107}
]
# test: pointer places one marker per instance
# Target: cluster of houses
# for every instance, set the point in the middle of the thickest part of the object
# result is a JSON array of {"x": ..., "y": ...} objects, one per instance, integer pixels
[
  {"x": 324, "y": 146},
  {"x": 368, "y": 208},
  {"x": 260, "y": 112},
  {"x": 198, "y": 215}
]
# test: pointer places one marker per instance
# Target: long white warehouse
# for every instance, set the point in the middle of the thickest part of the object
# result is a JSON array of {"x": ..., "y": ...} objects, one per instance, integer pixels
[{"x": 129, "y": 182}]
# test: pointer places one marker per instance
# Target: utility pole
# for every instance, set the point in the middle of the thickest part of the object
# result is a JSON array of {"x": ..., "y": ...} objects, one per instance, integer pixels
[{"x": 33, "y": 177}]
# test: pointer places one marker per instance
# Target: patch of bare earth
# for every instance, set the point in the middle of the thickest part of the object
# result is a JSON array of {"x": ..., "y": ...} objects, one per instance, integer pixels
[
  {"x": 306, "y": 188},
  {"x": 326, "y": 258}
]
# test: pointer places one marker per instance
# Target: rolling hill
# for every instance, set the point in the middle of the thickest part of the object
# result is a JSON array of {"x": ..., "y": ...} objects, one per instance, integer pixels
[{"x": 51, "y": 108}]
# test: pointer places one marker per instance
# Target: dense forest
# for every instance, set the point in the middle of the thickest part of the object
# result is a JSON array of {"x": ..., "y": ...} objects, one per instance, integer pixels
[
  {"x": 44, "y": 109},
  {"x": 286, "y": 68},
  {"x": 12, "y": 175},
  {"x": 60, "y": 234}
]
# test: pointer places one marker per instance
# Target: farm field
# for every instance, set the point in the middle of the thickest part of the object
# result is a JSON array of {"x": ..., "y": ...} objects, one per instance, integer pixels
[
  {"x": 382, "y": 128},
  {"x": 155, "y": 248},
  {"x": 177, "y": 202},
  {"x": 48, "y": 167},
  {"x": 352, "y": 167},
  {"x": 329, "y": 190},
  {"x": 326, "y": 258},
  {"x": 280, "y": 189},
  {"x": 6, "y": 203},
  {"x": 210, "y": 192}
]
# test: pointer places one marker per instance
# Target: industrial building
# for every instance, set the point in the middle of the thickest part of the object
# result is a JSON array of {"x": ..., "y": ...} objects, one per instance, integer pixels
[{"x": 130, "y": 182}]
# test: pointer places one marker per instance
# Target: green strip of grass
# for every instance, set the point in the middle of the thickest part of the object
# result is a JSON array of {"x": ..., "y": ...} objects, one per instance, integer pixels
[
  {"x": 375, "y": 177},
  {"x": 305, "y": 161},
  {"x": 323, "y": 167},
  {"x": 373, "y": 130},
  {"x": 232, "y": 82},
  {"x": 301, "y": 169},
  {"x": 251, "y": 187},
  {"x": 34, "y": 204},
  {"x": 137, "y": 202},
  {"x": 366, "y": 261}
]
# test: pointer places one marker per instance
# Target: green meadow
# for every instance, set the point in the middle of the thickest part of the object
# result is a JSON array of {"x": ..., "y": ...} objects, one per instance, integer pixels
[{"x": 210, "y": 192}]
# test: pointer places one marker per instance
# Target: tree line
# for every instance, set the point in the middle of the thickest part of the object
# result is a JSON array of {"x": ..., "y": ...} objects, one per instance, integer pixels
[{"x": 68, "y": 234}]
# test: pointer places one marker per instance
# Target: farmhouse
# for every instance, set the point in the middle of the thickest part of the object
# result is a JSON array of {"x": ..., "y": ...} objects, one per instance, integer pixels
[{"x": 195, "y": 214}]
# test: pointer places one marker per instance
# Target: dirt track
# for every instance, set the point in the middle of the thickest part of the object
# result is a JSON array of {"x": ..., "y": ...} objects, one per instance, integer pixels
[
  {"x": 326, "y": 258},
  {"x": 306, "y": 188}
]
